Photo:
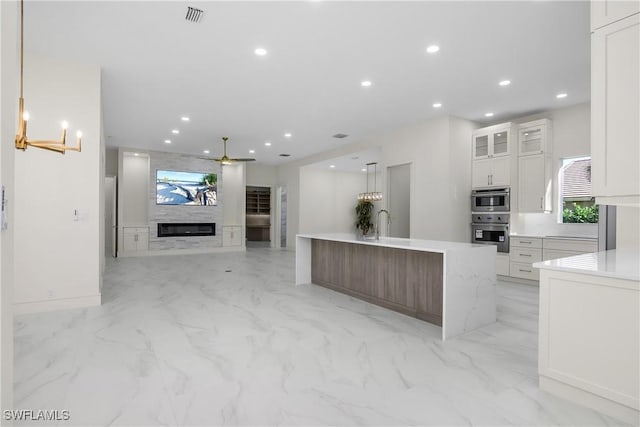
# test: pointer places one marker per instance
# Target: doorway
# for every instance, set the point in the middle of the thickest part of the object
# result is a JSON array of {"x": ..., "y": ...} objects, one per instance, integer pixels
[
  {"x": 258, "y": 216},
  {"x": 399, "y": 203},
  {"x": 110, "y": 216},
  {"x": 283, "y": 217}
]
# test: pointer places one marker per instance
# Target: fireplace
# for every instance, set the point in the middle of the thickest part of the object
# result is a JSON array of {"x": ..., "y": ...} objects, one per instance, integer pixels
[{"x": 175, "y": 229}]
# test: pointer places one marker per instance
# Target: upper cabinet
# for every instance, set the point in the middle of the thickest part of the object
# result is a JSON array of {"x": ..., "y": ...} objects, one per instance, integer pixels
[
  {"x": 535, "y": 175},
  {"x": 533, "y": 137},
  {"x": 615, "y": 107},
  {"x": 492, "y": 156},
  {"x": 493, "y": 141},
  {"x": 605, "y": 12}
]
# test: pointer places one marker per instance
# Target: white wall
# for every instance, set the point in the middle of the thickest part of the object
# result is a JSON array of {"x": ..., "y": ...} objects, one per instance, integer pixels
[
  {"x": 440, "y": 185},
  {"x": 50, "y": 187},
  {"x": 8, "y": 107},
  {"x": 328, "y": 200},
  {"x": 261, "y": 175},
  {"x": 571, "y": 138}
]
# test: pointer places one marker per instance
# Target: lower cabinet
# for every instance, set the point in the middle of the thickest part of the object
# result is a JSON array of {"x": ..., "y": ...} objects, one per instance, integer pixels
[
  {"x": 524, "y": 251},
  {"x": 502, "y": 264},
  {"x": 527, "y": 250},
  {"x": 135, "y": 239},
  {"x": 231, "y": 235},
  {"x": 589, "y": 341},
  {"x": 402, "y": 280}
]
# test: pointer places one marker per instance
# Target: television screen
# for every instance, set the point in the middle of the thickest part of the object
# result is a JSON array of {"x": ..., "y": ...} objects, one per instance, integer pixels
[{"x": 186, "y": 188}]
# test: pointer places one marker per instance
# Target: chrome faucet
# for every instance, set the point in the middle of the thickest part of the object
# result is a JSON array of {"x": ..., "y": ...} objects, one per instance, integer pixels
[{"x": 378, "y": 222}]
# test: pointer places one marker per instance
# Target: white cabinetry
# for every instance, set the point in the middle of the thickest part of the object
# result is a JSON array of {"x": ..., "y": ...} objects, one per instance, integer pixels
[
  {"x": 554, "y": 248},
  {"x": 502, "y": 264},
  {"x": 523, "y": 252},
  {"x": 615, "y": 104},
  {"x": 135, "y": 239},
  {"x": 605, "y": 12},
  {"x": 232, "y": 235},
  {"x": 492, "y": 156},
  {"x": 589, "y": 337},
  {"x": 534, "y": 167}
]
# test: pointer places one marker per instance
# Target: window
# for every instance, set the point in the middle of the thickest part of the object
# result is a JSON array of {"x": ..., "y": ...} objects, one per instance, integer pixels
[{"x": 577, "y": 205}]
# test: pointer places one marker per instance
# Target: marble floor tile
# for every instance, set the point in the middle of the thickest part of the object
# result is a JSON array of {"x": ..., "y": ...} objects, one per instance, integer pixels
[{"x": 227, "y": 339}]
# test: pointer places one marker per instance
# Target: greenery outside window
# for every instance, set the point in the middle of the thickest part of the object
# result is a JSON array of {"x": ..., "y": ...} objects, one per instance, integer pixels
[{"x": 576, "y": 201}]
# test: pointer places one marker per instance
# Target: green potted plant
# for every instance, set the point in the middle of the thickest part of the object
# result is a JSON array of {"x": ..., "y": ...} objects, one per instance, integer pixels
[{"x": 364, "y": 210}]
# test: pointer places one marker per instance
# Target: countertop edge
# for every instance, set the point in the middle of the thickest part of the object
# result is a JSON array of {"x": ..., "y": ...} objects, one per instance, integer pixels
[{"x": 398, "y": 244}]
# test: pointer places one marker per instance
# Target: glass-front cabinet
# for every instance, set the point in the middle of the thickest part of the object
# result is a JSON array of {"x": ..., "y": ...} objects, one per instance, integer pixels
[
  {"x": 494, "y": 141},
  {"x": 532, "y": 137}
]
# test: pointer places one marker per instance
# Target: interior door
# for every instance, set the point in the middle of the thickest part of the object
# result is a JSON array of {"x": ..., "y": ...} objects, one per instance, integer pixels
[
  {"x": 110, "y": 226},
  {"x": 399, "y": 205}
]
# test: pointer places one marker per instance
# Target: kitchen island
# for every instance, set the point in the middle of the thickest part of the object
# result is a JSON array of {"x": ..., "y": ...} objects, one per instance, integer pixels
[
  {"x": 449, "y": 284},
  {"x": 589, "y": 347}
]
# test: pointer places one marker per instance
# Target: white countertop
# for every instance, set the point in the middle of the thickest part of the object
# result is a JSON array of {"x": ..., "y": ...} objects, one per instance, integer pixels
[
  {"x": 396, "y": 242},
  {"x": 617, "y": 263}
]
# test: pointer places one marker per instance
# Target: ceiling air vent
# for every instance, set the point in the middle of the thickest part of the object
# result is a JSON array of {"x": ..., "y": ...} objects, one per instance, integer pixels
[
  {"x": 340, "y": 135},
  {"x": 285, "y": 155},
  {"x": 193, "y": 14}
]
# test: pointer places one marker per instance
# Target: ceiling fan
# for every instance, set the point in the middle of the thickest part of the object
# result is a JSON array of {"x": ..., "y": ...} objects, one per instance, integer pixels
[{"x": 226, "y": 160}]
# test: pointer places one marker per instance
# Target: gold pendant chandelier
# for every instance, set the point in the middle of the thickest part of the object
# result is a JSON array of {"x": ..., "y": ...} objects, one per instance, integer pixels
[
  {"x": 371, "y": 196},
  {"x": 22, "y": 141}
]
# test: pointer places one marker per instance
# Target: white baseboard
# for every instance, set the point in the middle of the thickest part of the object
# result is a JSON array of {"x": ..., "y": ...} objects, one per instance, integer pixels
[
  {"x": 199, "y": 251},
  {"x": 56, "y": 304},
  {"x": 606, "y": 406}
]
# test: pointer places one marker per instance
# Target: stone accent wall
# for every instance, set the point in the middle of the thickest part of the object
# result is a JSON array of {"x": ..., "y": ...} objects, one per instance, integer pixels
[{"x": 163, "y": 213}]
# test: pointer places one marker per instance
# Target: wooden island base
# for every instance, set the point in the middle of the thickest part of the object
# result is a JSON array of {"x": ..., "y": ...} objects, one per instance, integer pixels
[{"x": 406, "y": 281}]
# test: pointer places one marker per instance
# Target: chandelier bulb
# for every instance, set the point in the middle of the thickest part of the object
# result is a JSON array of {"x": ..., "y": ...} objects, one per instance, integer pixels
[
  {"x": 64, "y": 124},
  {"x": 25, "y": 116},
  {"x": 79, "y": 134}
]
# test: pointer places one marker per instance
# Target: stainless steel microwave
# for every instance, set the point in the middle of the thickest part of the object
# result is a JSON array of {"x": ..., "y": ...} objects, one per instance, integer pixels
[{"x": 493, "y": 200}]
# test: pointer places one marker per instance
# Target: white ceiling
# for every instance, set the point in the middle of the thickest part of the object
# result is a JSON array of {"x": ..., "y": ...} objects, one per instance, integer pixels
[
  {"x": 157, "y": 67},
  {"x": 353, "y": 162}
]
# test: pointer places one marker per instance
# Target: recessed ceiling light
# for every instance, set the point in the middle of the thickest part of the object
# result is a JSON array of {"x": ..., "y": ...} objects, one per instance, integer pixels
[
  {"x": 433, "y": 48},
  {"x": 175, "y": 131},
  {"x": 287, "y": 135},
  {"x": 332, "y": 166},
  {"x": 206, "y": 151},
  {"x": 363, "y": 169},
  {"x": 365, "y": 83},
  {"x": 488, "y": 114},
  {"x": 561, "y": 95},
  {"x": 268, "y": 144},
  {"x": 167, "y": 141},
  {"x": 136, "y": 154},
  {"x": 260, "y": 51},
  {"x": 185, "y": 118},
  {"x": 252, "y": 151},
  {"x": 505, "y": 83},
  {"x": 437, "y": 105}
]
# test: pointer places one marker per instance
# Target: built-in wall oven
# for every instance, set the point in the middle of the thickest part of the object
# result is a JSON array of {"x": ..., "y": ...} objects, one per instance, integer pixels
[
  {"x": 493, "y": 200},
  {"x": 491, "y": 229}
]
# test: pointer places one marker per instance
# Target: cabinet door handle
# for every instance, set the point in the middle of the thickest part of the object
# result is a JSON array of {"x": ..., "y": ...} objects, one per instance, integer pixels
[
  {"x": 541, "y": 199},
  {"x": 525, "y": 255},
  {"x": 525, "y": 242},
  {"x": 488, "y": 182},
  {"x": 135, "y": 238},
  {"x": 524, "y": 271}
]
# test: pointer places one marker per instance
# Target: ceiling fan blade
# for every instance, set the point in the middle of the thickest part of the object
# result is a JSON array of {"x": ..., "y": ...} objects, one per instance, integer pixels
[{"x": 243, "y": 160}]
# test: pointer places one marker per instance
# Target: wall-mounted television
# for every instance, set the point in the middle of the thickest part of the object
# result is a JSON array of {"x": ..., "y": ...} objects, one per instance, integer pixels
[{"x": 186, "y": 188}]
